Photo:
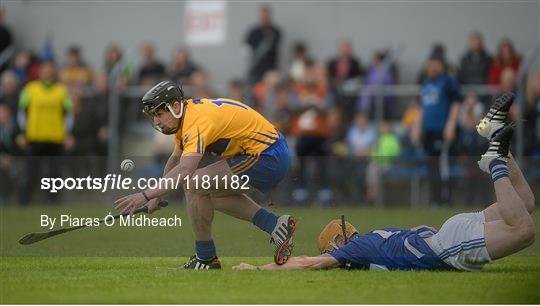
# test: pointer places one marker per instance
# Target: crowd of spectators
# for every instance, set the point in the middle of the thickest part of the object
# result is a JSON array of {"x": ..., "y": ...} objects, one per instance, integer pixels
[{"x": 51, "y": 107}]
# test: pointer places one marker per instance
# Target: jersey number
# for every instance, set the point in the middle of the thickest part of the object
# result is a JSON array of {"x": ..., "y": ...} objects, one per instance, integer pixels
[{"x": 219, "y": 102}]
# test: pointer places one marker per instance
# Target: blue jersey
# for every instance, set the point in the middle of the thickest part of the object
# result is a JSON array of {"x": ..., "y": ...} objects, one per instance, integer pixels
[
  {"x": 390, "y": 249},
  {"x": 437, "y": 97}
]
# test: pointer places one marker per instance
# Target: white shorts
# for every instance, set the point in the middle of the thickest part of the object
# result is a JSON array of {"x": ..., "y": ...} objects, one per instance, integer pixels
[{"x": 460, "y": 242}]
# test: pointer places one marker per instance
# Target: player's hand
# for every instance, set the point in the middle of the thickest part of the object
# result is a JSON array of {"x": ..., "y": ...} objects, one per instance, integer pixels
[
  {"x": 244, "y": 267},
  {"x": 130, "y": 203},
  {"x": 153, "y": 205}
]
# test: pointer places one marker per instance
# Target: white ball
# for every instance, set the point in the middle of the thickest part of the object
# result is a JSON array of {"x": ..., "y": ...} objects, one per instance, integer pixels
[{"x": 127, "y": 165}]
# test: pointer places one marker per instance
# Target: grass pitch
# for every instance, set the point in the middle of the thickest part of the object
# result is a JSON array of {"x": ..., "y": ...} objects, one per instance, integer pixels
[{"x": 141, "y": 265}]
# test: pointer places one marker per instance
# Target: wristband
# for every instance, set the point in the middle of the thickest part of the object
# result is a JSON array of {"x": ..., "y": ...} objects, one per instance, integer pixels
[{"x": 145, "y": 196}]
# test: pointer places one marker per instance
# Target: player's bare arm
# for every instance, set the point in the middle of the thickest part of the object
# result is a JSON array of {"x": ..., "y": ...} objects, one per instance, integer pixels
[{"x": 295, "y": 263}]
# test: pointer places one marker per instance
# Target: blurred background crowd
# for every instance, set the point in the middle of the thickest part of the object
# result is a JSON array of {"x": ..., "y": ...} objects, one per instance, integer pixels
[{"x": 355, "y": 129}]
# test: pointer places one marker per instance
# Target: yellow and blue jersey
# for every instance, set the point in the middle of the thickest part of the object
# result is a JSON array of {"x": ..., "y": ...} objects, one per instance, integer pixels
[
  {"x": 251, "y": 145},
  {"x": 224, "y": 127}
]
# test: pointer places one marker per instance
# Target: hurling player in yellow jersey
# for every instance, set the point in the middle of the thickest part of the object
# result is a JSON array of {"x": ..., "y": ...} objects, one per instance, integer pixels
[{"x": 251, "y": 149}]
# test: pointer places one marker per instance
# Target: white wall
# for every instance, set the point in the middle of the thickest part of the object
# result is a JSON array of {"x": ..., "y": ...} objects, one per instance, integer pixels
[{"x": 370, "y": 25}]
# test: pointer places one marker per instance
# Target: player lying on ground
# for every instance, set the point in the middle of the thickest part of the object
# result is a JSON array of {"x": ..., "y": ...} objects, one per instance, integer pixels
[
  {"x": 248, "y": 146},
  {"x": 465, "y": 242}
]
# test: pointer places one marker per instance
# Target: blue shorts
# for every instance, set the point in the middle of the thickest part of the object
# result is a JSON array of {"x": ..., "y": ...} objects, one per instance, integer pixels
[{"x": 266, "y": 170}]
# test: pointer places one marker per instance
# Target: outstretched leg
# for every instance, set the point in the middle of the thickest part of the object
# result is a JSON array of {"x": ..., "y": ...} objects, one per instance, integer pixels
[
  {"x": 516, "y": 229},
  {"x": 521, "y": 187}
]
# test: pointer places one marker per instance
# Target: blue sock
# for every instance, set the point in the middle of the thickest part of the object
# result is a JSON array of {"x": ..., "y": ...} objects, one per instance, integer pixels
[
  {"x": 498, "y": 169},
  {"x": 265, "y": 220},
  {"x": 205, "y": 250}
]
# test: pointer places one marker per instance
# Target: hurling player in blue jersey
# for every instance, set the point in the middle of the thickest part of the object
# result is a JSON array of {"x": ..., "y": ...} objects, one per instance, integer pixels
[{"x": 465, "y": 242}]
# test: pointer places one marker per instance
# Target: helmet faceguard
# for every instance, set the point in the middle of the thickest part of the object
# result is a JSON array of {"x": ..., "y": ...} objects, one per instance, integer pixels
[{"x": 161, "y": 98}]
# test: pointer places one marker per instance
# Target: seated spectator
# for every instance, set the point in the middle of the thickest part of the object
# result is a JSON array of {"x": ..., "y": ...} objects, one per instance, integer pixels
[
  {"x": 9, "y": 90},
  {"x": 507, "y": 83},
  {"x": 265, "y": 87},
  {"x": 310, "y": 125},
  {"x": 506, "y": 57},
  {"x": 470, "y": 113},
  {"x": 345, "y": 65},
  {"x": 76, "y": 74},
  {"x": 313, "y": 88},
  {"x": 470, "y": 145},
  {"x": 26, "y": 67},
  {"x": 279, "y": 107},
  {"x": 113, "y": 58},
  {"x": 531, "y": 116},
  {"x": 474, "y": 64},
  {"x": 151, "y": 70},
  {"x": 200, "y": 82},
  {"x": 438, "y": 51},
  {"x": 361, "y": 137},
  {"x": 298, "y": 65},
  {"x": 410, "y": 118},
  {"x": 376, "y": 75},
  {"x": 411, "y": 114},
  {"x": 508, "y": 80},
  {"x": 383, "y": 154},
  {"x": 182, "y": 66},
  {"x": 337, "y": 132}
]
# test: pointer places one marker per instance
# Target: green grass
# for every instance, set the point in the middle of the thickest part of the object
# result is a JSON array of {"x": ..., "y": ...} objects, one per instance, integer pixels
[{"x": 141, "y": 265}]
